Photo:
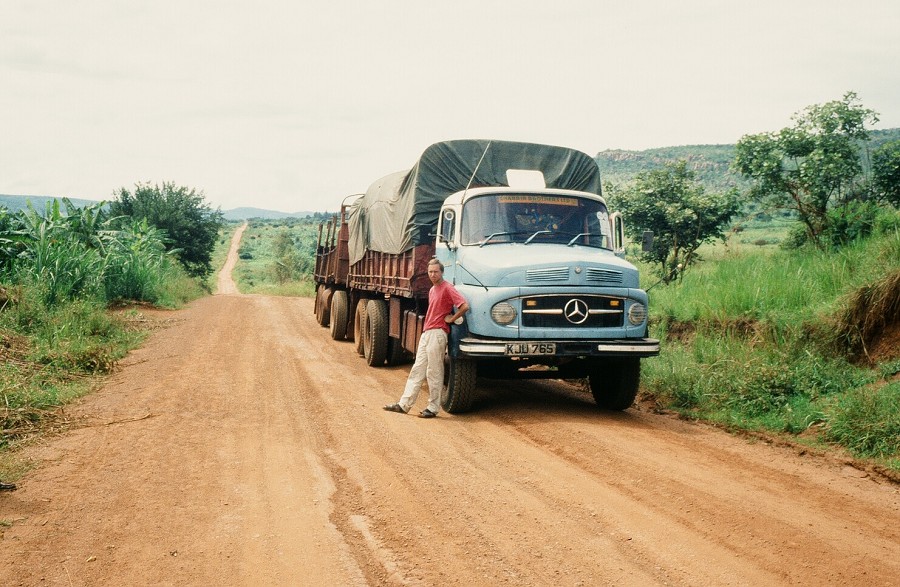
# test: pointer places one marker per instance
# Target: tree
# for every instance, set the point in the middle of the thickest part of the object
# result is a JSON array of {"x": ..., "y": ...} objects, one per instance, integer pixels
[
  {"x": 672, "y": 204},
  {"x": 287, "y": 259},
  {"x": 191, "y": 226},
  {"x": 886, "y": 173},
  {"x": 811, "y": 165}
]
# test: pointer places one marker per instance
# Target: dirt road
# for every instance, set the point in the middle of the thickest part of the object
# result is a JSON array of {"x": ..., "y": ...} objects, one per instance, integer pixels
[{"x": 242, "y": 446}]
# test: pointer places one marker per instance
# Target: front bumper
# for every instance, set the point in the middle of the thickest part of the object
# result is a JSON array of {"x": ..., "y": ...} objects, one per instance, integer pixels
[{"x": 622, "y": 347}]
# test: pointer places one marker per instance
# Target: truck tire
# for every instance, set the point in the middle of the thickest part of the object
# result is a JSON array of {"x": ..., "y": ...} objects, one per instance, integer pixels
[
  {"x": 339, "y": 310},
  {"x": 376, "y": 339},
  {"x": 359, "y": 327},
  {"x": 323, "y": 303},
  {"x": 614, "y": 382},
  {"x": 459, "y": 379}
]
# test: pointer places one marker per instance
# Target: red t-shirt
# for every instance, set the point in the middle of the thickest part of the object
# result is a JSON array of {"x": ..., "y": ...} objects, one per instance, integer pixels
[{"x": 441, "y": 299}]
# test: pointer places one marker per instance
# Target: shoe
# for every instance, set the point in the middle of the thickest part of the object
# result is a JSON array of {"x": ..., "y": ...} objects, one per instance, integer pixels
[
  {"x": 426, "y": 413},
  {"x": 395, "y": 408},
  {"x": 7, "y": 487}
]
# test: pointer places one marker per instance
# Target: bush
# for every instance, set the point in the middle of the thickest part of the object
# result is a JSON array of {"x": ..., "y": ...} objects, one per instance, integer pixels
[{"x": 850, "y": 222}]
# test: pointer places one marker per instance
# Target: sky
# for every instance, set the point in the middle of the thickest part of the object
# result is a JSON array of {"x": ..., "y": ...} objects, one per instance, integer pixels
[{"x": 291, "y": 105}]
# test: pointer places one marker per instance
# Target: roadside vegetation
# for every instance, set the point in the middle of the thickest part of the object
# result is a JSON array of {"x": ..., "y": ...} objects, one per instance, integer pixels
[
  {"x": 73, "y": 284},
  {"x": 801, "y": 337},
  {"x": 277, "y": 257},
  {"x": 803, "y": 342}
]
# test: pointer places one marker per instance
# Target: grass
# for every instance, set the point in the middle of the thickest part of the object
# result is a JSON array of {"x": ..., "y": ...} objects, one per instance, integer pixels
[
  {"x": 761, "y": 340},
  {"x": 52, "y": 355}
]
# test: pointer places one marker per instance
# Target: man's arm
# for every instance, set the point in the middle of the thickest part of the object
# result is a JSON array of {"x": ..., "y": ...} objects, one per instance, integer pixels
[{"x": 460, "y": 311}]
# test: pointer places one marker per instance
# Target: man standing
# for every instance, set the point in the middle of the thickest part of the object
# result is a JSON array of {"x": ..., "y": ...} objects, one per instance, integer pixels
[{"x": 429, "y": 364}]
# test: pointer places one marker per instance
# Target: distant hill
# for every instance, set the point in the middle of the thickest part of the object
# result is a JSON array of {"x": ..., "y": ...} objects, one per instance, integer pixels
[
  {"x": 711, "y": 163},
  {"x": 16, "y": 203}
]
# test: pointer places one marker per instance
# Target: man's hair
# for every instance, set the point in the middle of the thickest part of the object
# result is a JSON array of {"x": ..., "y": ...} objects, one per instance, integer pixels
[{"x": 434, "y": 261}]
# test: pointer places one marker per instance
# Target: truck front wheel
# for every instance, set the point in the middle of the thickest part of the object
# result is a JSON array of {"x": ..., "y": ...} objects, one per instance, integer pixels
[
  {"x": 459, "y": 376},
  {"x": 376, "y": 340},
  {"x": 614, "y": 382},
  {"x": 339, "y": 309}
]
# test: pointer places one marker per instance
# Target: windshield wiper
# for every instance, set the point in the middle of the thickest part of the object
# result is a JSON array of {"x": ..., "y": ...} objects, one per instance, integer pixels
[
  {"x": 490, "y": 237},
  {"x": 576, "y": 237},
  {"x": 531, "y": 238}
]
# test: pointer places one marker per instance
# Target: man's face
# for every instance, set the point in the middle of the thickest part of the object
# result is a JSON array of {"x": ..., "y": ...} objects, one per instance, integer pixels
[{"x": 434, "y": 273}]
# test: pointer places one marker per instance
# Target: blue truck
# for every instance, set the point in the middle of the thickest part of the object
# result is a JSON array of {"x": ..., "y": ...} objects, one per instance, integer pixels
[{"x": 525, "y": 235}]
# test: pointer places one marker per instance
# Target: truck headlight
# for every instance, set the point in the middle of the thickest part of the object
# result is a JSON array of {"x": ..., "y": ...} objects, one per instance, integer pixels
[
  {"x": 503, "y": 313},
  {"x": 637, "y": 313}
]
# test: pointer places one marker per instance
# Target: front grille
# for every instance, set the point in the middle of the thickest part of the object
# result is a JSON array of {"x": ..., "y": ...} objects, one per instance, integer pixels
[
  {"x": 549, "y": 274},
  {"x": 572, "y": 312},
  {"x": 604, "y": 276}
]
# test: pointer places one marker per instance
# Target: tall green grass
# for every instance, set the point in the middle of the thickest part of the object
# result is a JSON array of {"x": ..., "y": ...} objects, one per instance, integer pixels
[
  {"x": 782, "y": 287},
  {"x": 60, "y": 272},
  {"x": 749, "y": 342}
]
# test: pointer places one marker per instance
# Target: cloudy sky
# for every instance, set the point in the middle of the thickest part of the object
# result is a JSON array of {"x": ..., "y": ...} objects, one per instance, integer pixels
[{"x": 291, "y": 105}]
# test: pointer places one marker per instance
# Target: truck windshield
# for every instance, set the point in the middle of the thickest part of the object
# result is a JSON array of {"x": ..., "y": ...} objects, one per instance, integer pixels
[{"x": 535, "y": 218}]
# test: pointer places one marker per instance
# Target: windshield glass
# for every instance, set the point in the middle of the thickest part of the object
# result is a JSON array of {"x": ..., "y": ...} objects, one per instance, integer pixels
[{"x": 535, "y": 218}]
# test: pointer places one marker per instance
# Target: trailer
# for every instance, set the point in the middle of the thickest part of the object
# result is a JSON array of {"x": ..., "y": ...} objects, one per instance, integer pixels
[{"x": 525, "y": 236}]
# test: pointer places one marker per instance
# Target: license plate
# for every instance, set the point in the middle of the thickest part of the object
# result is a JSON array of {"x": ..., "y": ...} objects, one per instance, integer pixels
[{"x": 531, "y": 348}]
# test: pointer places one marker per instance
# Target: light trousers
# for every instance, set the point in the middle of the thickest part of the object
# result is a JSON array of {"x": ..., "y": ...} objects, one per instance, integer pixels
[{"x": 429, "y": 365}]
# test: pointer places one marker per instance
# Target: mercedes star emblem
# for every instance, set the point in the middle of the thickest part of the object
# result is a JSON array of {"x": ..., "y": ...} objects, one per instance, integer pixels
[{"x": 576, "y": 311}]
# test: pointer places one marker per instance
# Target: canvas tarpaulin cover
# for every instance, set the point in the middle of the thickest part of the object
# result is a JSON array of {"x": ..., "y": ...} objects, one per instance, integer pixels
[{"x": 400, "y": 211}]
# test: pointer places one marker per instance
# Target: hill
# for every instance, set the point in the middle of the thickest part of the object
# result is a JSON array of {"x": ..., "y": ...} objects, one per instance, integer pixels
[
  {"x": 711, "y": 163},
  {"x": 16, "y": 203}
]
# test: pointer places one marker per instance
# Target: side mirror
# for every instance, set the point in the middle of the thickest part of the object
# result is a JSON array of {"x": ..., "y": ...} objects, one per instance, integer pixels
[
  {"x": 618, "y": 233},
  {"x": 447, "y": 231},
  {"x": 647, "y": 241}
]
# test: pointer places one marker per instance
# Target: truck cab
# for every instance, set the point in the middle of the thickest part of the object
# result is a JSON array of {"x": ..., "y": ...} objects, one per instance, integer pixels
[{"x": 549, "y": 292}]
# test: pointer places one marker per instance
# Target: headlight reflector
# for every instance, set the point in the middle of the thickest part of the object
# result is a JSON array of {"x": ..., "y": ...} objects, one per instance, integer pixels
[
  {"x": 637, "y": 313},
  {"x": 503, "y": 313}
]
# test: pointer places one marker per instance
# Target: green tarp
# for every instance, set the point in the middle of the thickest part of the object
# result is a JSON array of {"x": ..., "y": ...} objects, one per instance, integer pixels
[{"x": 400, "y": 211}]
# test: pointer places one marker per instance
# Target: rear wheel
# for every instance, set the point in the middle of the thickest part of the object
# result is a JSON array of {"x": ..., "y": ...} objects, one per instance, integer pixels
[
  {"x": 323, "y": 304},
  {"x": 376, "y": 339},
  {"x": 339, "y": 309},
  {"x": 459, "y": 376},
  {"x": 359, "y": 327},
  {"x": 614, "y": 382}
]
